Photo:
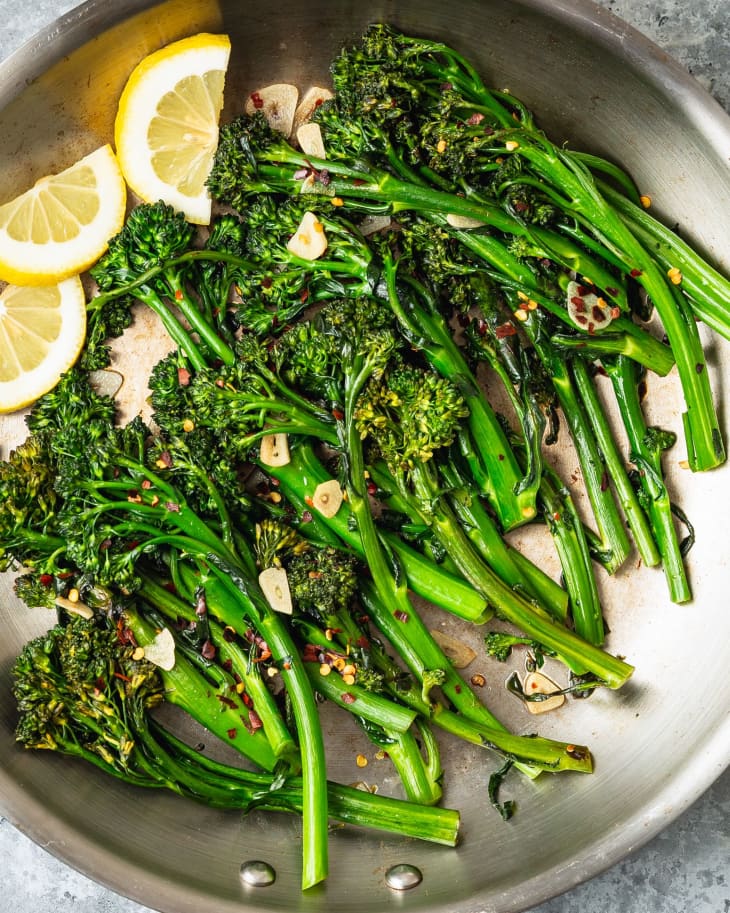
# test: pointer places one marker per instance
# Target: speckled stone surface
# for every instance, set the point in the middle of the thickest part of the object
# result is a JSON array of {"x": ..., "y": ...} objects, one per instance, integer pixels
[{"x": 686, "y": 869}]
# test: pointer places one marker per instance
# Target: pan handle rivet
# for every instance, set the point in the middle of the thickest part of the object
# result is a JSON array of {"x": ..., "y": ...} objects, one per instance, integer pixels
[
  {"x": 402, "y": 877},
  {"x": 257, "y": 874}
]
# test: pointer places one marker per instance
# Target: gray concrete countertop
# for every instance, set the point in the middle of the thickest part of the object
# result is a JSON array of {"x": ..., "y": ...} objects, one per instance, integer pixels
[{"x": 686, "y": 869}]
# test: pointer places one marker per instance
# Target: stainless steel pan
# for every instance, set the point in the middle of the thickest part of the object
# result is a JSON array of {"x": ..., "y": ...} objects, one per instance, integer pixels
[{"x": 658, "y": 743}]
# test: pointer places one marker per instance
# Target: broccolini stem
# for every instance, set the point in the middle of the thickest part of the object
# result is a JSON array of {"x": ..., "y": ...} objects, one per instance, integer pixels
[
  {"x": 648, "y": 459},
  {"x": 633, "y": 511},
  {"x": 227, "y": 650},
  {"x": 513, "y": 504},
  {"x": 608, "y": 519},
  {"x": 511, "y": 606},
  {"x": 299, "y": 479},
  {"x": 185, "y": 687},
  {"x": 471, "y": 720},
  {"x": 346, "y": 803},
  {"x": 707, "y": 289},
  {"x": 704, "y": 440},
  {"x": 304, "y": 708}
]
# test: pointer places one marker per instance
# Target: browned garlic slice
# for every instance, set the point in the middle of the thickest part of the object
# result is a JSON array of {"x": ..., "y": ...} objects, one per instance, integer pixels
[{"x": 460, "y": 654}]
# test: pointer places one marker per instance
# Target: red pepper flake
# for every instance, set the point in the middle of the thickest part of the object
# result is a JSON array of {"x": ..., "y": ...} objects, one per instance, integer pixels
[
  {"x": 615, "y": 312},
  {"x": 401, "y": 616},
  {"x": 307, "y": 516},
  {"x": 220, "y": 383},
  {"x": 46, "y": 579},
  {"x": 591, "y": 327},
  {"x": 520, "y": 206},
  {"x": 610, "y": 290},
  {"x": 348, "y": 698},
  {"x": 229, "y": 702},
  {"x": 500, "y": 457},
  {"x": 208, "y": 650},
  {"x": 227, "y": 664},
  {"x": 358, "y": 182},
  {"x": 584, "y": 289},
  {"x": 178, "y": 294},
  {"x": 311, "y": 653},
  {"x": 604, "y": 482},
  {"x": 699, "y": 367},
  {"x": 475, "y": 119},
  {"x": 457, "y": 688},
  {"x": 146, "y": 485},
  {"x": 580, "y": 305},
  {"x": 254, "y": 720},
  {"x": 597, "y": 314},
  {"x": 635, "y": 273},
  {"x": 183, "y": 377},
  {"x": 257, "y": 101},
  {"x": 504, "y": 330},
  {"x": 372, "y": 488},
  {"x": 363, "y": 642},
  {"x": 107, "y": 543},
  {"x": 308, "y": 500},
  {"x": 232, "y": 733},
  {"x": 338, "y": 415},
  {"x": 122, "y": 677},
  {"x": 581, "y": 319},
  {"x": 134, "y": 497},
  {"x": 165, "y": 459},
  {"x": 300, "y": 174},
  {"x": 304, "y": 295},
  {"x": 172, "y": 507},
  {"x": 267, "y": 282}
]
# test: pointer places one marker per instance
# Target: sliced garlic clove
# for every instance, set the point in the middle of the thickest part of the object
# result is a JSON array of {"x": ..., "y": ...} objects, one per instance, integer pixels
[
  {"x": 308, "y": 104},
  {"x": 274, "y": 450},
  {"x": 161, "y": 651},
  {"x": 309, "y": 240},
  {"x": 75, "y": 606},
  {"x": 587, "y": 310},
  {"x": 537, "y": 683},
  {"x": 106, "y": 381},
  {"x": 456, "y": 221},
  {"x": 328, "y": 498},
  {"x": 459, "y": 654},
  {"x": 309, "y": 137},
  {"x": 275, "y": 586},
  {"x": 277, "y": 103}
]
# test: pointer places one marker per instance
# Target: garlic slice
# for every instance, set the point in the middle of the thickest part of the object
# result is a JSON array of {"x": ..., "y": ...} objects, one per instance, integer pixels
[
  {"x": 328, "y": 498},
  {"x": 537, "y": 683},
  {"x": 309, "y": 240},
  {"x": 274, "y": 450},
  {"x": 277, "y": 103},
  {"x": 309, "y": 137},
  {"x": 161, "y": 651},
  {"x": 275, "y": 586}
]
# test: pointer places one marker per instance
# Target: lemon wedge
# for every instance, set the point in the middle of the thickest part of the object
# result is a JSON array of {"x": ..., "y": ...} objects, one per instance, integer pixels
[
  {"x": 166, "y": 129},
  {"x": 42, "y": 331},
  {"x": 62, "y": 224}
]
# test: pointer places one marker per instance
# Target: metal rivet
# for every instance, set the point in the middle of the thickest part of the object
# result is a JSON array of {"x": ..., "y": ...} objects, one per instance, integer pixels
[
  {"x": 402, "y": 877},
  {"x": 257, "y": 874}
]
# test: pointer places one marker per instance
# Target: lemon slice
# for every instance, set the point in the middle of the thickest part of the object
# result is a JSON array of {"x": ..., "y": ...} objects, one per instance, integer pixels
[
  {"x": 42, "y": 331},
  {"x": 62, "y": 224},
  {"x": 166, "y": 129}
]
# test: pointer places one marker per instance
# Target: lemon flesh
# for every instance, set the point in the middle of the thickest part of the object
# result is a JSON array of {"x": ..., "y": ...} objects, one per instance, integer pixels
[
  {"x": 42, "y": 331},
  {"x": 61, "y": 225},
  {"x": 166, "y": 129}
]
